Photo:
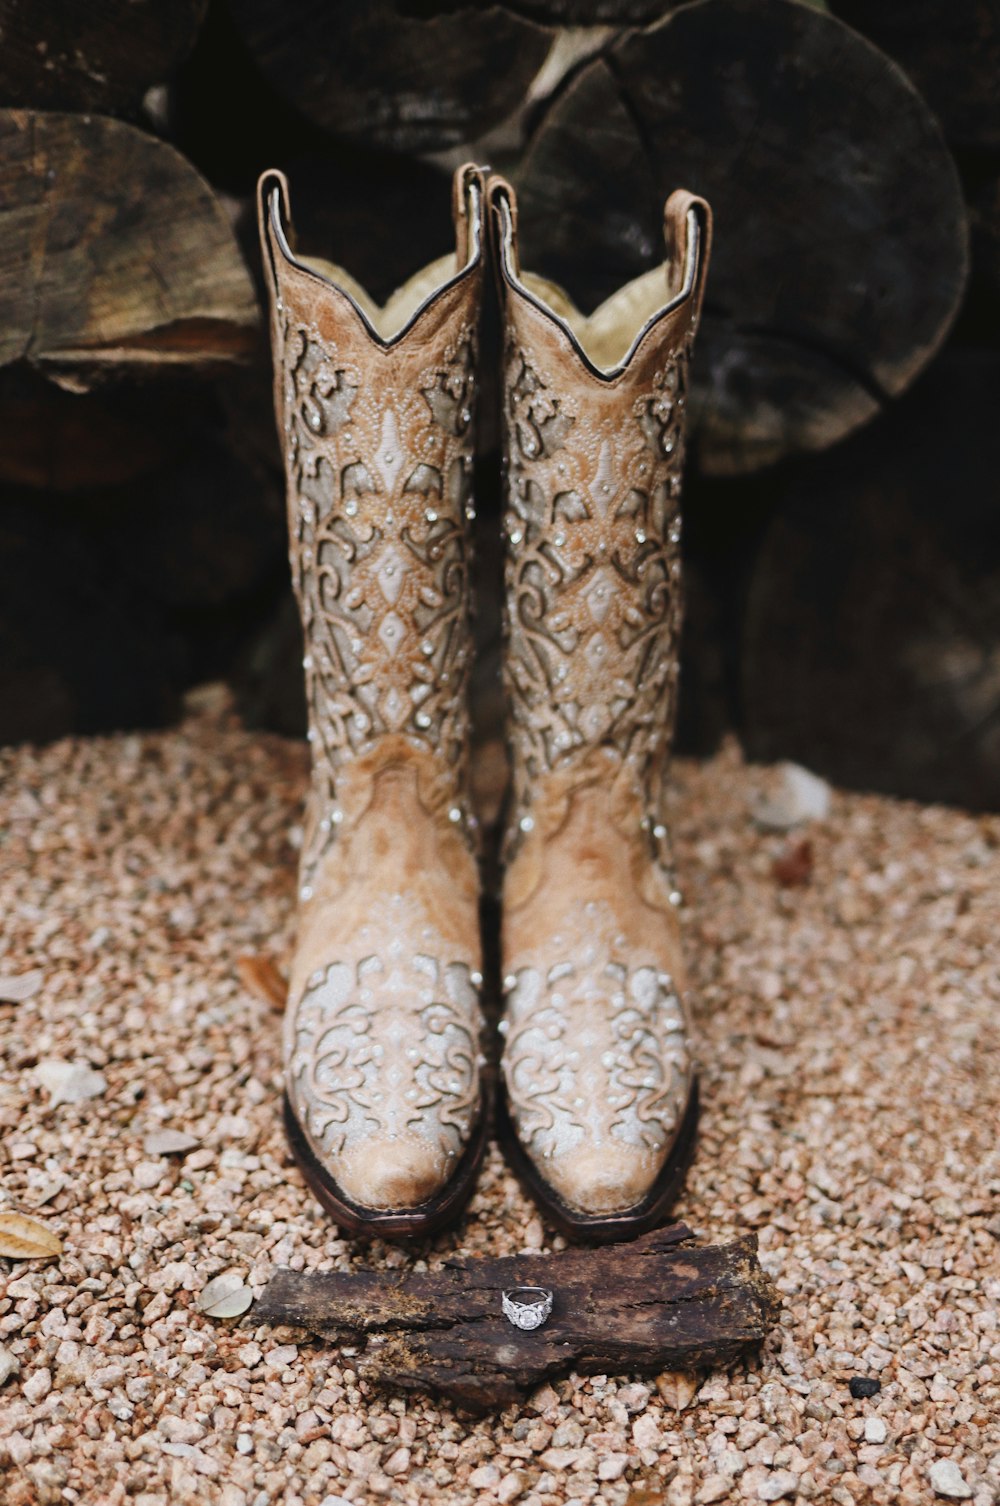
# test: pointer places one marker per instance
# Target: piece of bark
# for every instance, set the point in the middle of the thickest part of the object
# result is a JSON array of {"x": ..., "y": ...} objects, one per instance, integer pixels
[
  {"x": 103, "y": 55},
  {"x": 659, "y": 1303},
  {"x": 116, "y": 253},
  {"x": 368, "y": 71},
  {"x": 840, "y": 254}
]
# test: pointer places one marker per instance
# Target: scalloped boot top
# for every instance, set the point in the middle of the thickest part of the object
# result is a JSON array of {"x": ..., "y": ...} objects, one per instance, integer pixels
[
  {"x": 600, "y": 1100},
  {"x": 382, "y": 1035}
]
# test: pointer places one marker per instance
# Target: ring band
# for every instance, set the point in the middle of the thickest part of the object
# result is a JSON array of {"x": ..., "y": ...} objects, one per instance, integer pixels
[{"x": 527, "y": 1306}]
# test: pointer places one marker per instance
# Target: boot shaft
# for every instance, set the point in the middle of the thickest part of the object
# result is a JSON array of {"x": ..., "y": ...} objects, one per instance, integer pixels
[
  {"x": 594, "y": 442},
  {"x": 375, "y": 416}
]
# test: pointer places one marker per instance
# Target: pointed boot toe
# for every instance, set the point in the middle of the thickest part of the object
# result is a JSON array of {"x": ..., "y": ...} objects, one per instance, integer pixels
[
  {"x": 383, "y": 1173},
  {"x": 598, "y": 1179}
]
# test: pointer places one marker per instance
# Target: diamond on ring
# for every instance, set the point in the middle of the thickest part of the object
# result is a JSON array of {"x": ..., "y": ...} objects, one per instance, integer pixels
[{"x": 527, "y": 1306}]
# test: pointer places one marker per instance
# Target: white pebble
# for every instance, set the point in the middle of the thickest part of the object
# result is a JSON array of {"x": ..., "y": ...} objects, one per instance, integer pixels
[
  {"x": 803, "y": 796},
  {"x": 68, "y": 1082},
  {"x": 37, "y": 1386},
  {"x": 778, "y": 1486},
  {"x": 148, "y": 1173},
  {"x": 168, "y": 1142},
  {"x": 947, "y": 1480}
]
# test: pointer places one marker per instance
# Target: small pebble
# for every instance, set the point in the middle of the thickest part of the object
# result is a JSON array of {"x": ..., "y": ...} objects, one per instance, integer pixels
[
  {"x": 23, "y": 986},
  {"x": 875, "y": 1430},
  {"x": 947, "y": 1480},
  {"x": 714, "y": 1488},
  {"x": 801, "y": 796},
  {"x": 169, "y": 1142},
  {"x": 37, "y": 1385},
  {"x": 513, "y": 1486},
  {"x": 862, "y": 1386},
  {"x": 69, "y": 1081},
  {"x": 146, "y": 1174},
  {"x": 779, "y": 1486}
]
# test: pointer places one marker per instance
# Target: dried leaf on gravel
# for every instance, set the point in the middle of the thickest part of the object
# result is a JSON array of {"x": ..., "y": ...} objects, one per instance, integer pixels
[
  {"x": 15, "y": 988},
  {"x": 677, "y": 1388},
  {"x": 225, "y": 1297},
  {"x": 262, "y": 977},
  {"x": 69, "y": 1082},
  {"x": 169, "y": 1142},
  {"x": 26, "y": 1238}
]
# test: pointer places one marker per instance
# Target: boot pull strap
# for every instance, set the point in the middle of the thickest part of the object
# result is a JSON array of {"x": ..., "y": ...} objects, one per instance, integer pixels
[
  {"x": 687, "y": 230},
  {"x": 274, "y": 221},
  {"x": 502, "y": 203},
  {"x": 467, "y": 211}
]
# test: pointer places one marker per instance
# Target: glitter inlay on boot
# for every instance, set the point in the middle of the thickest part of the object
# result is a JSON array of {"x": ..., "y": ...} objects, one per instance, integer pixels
[
  {"x": 383, "y": 1026},
  {"x": 600, "y": 1087}
]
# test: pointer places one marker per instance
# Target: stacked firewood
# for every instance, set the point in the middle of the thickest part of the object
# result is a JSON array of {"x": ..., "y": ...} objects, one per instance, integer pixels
[{"x": 842, "y": 535}]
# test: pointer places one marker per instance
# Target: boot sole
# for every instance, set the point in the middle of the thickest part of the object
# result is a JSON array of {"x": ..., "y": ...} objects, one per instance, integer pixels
[
  {"x": 604, "y": 1228},
  {"x": 375, "y": 1223}
]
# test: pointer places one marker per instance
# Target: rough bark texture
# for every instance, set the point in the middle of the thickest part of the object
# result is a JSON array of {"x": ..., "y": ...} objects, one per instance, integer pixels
[{"x": 659, "y": 1303}]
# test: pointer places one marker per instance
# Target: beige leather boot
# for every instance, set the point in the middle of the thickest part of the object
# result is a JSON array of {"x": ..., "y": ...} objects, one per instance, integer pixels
[
  {"x": 600, "y": 1102},
  {"x": 384, "y": 1106}
]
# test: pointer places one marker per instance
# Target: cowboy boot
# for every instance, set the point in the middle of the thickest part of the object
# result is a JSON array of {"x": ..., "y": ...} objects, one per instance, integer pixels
[
  {"x": 383, "y": 1104},
  {"x": 600, "y": 1096}
]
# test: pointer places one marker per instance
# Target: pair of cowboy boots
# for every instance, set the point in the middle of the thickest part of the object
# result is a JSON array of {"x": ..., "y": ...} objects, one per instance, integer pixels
[{"x": 386, "y": 1101}]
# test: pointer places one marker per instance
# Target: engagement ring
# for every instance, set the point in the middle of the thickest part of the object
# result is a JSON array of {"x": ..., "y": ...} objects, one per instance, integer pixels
[{"x": 527, "y": 1306}]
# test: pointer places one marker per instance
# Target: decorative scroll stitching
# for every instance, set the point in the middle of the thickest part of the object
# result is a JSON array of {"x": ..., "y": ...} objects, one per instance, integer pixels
[
  {"x": 388, "y": 1045},
  {"x": 594, "y": 1049},
  {"x": 593, "y": 581},
  {"x": 379, "y": 486}
]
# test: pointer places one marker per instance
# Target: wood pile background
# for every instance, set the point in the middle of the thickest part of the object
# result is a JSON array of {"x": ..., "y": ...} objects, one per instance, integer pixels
[{"x": 842, "y": 519}]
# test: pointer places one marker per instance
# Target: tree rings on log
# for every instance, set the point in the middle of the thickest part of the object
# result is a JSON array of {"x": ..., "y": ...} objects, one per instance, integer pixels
[
  {"x": 658, "y": 1303},
  {"x": 368, "y": 71},
  {"x": 841, "y": 244},
  {"x": 115, "y": 251},
  {"x": 872, "y": 639},
  {"x": 103, "y": 55}
]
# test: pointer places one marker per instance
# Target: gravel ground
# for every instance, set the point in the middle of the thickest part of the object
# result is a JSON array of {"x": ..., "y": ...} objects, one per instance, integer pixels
[{"x": 848, "y": 977}]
